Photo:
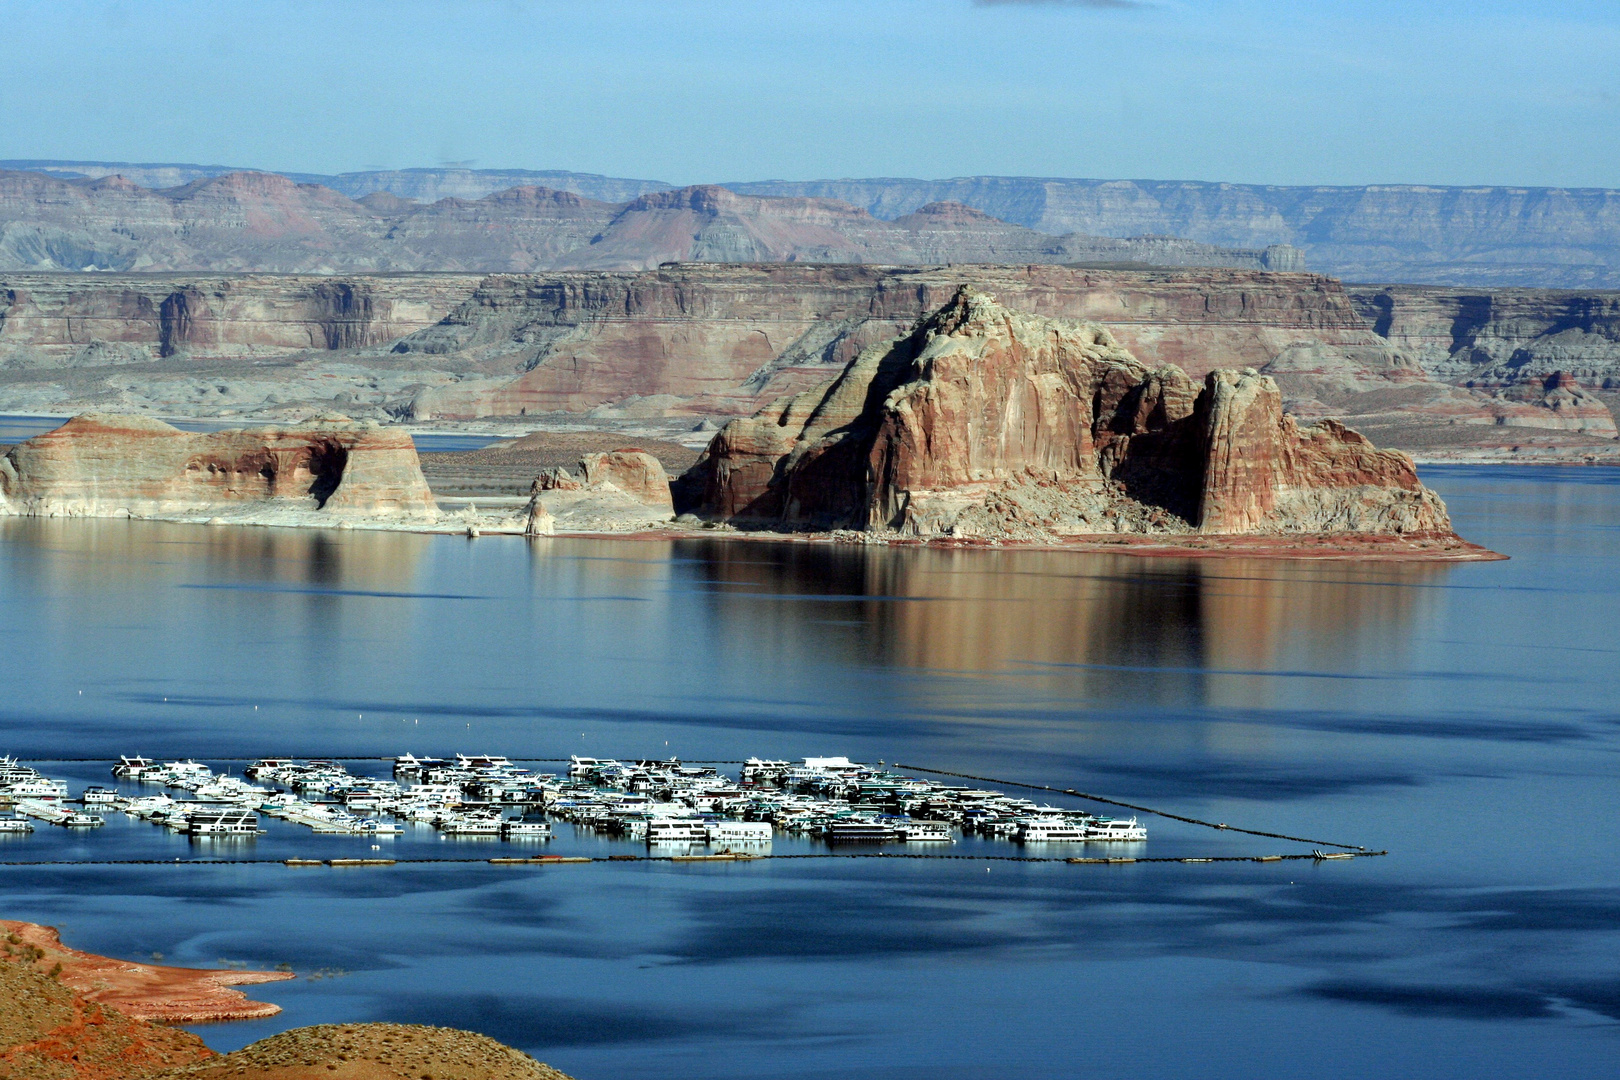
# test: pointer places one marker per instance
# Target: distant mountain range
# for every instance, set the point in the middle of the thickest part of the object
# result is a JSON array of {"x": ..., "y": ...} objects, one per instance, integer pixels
[
  {"x": 1488, "y": 236},
  {"x": 266, "y": 222}
]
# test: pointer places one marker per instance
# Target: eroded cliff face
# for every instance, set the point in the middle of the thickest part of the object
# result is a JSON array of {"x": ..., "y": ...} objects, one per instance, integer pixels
[
  {"x": 64, "y": 320},
  {"x": 725, "y": 340},
  {"x": 101, "y": 465},
  {"x": 713, "y": 340},
  {"x": 986, "y": 421}
]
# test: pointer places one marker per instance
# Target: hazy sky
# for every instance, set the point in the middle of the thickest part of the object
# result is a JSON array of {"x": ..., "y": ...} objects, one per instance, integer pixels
[{"x": 1338, "y": 91}]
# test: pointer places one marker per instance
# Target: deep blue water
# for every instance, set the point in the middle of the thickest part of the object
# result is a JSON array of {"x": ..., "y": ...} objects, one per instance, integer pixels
[{"x": 1466, "y": 718}]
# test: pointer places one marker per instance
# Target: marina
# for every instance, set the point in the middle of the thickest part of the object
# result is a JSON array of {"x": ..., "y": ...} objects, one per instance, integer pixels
[{"x": 664, "y": 805}]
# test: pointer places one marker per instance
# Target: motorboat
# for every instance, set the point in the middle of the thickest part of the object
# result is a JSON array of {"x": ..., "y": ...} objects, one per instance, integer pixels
[
  {"x": 860, "y": 832},
  {"x": 131, "y": 768},
  {"x": 221, "y": 821},
  {"x": 926, "y": 832},
  {"x": 1049, "y": 831},
  {"x": 738, "y": 832},
  {"x": 471, "y": 826},
  {"x": 1115, "y": 829},
  {"x": 677, "y": 831},
  {"x": 526, "y": 829}
]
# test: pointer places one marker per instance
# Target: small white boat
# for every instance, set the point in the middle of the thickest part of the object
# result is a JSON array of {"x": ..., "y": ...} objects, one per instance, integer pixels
[
  {"x": 1049, "y": 831},
  {"x": 221, "y": 821},
  {"x": 16, "y": 825},
  {"x": 926, "y": 832},
  {"x": 471, "y": 827},
  {"x": 677, "y": 831},
  {"x": 528, "y": 830},
  {"x": 131, "y": 768},
  {"x": 99, "y": 796},
  {"x": 79, "y": 820},
  {"x": 1113, "y": 829}
]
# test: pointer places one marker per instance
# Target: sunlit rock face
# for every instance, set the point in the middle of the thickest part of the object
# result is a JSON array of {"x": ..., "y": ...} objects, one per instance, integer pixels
[
  {"x": 985, "y": 421},
  {"x": 104, "y": 465}
]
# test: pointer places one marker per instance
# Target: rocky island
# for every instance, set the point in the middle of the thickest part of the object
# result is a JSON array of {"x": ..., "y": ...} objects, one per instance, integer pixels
[{"x": 981, "y": 424}]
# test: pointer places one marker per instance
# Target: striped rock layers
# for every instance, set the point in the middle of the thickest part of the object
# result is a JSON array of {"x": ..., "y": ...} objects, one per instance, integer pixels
[
  {"x": 984, "y": 421},
  {"x": 102, "y": 465}
]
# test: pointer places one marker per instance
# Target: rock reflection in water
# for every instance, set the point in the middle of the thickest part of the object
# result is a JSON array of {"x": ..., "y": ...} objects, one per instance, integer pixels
[{"x": 1206, "y": 631}]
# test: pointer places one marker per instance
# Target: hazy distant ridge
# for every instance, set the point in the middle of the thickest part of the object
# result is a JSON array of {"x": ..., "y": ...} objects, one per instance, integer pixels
[{"x": 1542, "y": 237}]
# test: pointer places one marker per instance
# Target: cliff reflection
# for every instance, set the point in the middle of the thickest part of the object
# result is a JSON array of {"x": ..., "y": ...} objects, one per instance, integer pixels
[
  {"x": 1113, "y": 627},
  {"x": 110, "y": 552}
]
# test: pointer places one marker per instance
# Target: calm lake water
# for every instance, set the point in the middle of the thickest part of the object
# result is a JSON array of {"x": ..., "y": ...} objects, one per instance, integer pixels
[{"x": 1466, "y": 718}]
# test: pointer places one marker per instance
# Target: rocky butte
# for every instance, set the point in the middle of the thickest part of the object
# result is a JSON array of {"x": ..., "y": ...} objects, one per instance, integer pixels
[
  {"x": 328, "y": 471},
  {"x": 984, "y": 422}
]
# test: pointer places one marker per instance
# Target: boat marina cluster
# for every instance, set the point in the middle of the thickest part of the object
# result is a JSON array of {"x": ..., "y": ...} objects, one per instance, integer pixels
[{"x": 828, "y": 799}]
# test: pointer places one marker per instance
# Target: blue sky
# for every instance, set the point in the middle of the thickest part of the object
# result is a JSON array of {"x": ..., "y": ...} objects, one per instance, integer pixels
[{"x": 1354, "y": 91}]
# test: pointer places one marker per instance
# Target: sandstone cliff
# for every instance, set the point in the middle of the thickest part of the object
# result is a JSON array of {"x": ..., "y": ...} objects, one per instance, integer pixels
[
  {"x": 1498, "y": 337},
  {"x": 126, "y": 466},
  {"x": 984, "y": 421}
]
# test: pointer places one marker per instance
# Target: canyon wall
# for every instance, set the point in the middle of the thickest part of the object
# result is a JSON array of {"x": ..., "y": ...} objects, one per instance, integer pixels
[
  {"x": 723, "y": 340},
  {"x": 989, "y": 422},
  {"x": 1499, "y": 337},
  {"x": 73, "y": 320},
  {"x": 1418, "y": 368}
]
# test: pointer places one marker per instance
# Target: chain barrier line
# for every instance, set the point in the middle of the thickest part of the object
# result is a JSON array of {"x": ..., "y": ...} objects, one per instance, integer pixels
[{"x": 1141, "y": 809}]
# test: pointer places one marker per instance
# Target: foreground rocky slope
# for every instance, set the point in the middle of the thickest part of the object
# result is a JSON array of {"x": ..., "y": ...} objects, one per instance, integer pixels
[
  {"x": 371, "y": 1052},
  {"x": 50, "y": 1032},
  {"x": 142, "y": 991},
  {"x": 987, "y": 422},
  {"x": 67, "y": 1015},
  {"x": 331, "y": 469}
]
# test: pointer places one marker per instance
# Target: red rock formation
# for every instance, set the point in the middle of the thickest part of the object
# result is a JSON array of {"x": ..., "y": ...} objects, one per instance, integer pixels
[
  {"x": 635, "y": 472},
  {"x": 146, "y": 991},
  {"x": 101, "y": 465},
  {"x": 987, "y": 421}
]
